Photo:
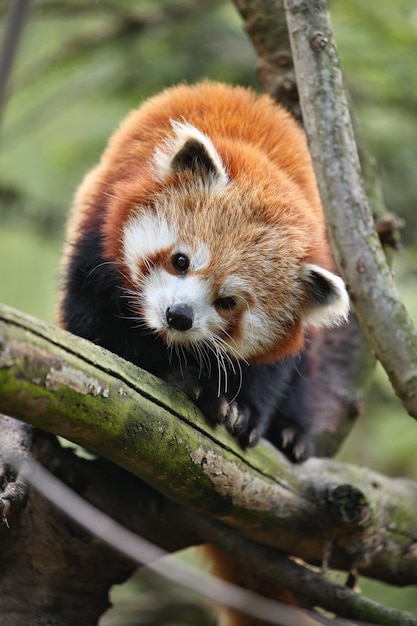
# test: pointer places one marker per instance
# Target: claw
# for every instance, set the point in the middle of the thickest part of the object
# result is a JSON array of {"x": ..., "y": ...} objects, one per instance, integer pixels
[
  {"x": 232, "y": 416},
  {"x": 287, "y": 437},
  {"x": 253, "y": 438},
  {"x": 299, "y": 451},
  {"x": 224, "y": 409}
]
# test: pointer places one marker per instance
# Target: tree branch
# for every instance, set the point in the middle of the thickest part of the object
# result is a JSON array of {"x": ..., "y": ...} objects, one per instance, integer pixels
[
  {"x": 358, "y": 252},
  {"x": 272, "y": 566},
  {"x": 53, "y": 573},
  {"x": 265, "y": 23},
  {"x": 310, "y": 588},
  {"x": 19, "y": 10},
  {"x": 65, "y": 385}
]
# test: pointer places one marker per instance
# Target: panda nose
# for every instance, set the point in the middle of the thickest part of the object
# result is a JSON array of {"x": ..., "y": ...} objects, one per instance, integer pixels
[{"x": 179, "y": 317}]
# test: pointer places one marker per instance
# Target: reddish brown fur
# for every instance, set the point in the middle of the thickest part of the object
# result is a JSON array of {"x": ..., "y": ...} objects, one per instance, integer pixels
[
  {"x": 225, "y": 568},
  {"x": 265, "y": 155},
  {"x": 125, "y": 172},
  {"x": 273, "y": 202}
]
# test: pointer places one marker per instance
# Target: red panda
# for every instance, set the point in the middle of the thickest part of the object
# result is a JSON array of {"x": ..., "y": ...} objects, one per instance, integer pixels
[{"x": 197, "y": 249}]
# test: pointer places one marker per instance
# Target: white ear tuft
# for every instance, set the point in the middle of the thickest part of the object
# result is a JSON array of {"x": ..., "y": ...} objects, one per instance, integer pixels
[
  {"x": 328, "y": 303},
  {"x": 190, "y": 149}
]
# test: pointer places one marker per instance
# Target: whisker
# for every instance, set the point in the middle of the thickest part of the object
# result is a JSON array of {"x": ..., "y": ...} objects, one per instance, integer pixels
[
  {"x": 232, "y": 348},
  {"x": 234, "y": 362},
  {"x": 214, "y": 343},
  {"x": 96, "y": 267},
  {"x": 170, "y": 349},
  {"x": 206, "y": 358},
  {"x": 184, "y": 355}
]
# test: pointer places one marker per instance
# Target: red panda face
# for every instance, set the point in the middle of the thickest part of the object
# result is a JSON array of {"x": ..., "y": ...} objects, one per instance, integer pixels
[
  {"x": 212, "y": 265},
  {"x": 190, "y": 294}
]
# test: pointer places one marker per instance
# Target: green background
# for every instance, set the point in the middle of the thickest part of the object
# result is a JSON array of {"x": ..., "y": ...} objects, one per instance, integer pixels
[{"x": 83, "y": 65}]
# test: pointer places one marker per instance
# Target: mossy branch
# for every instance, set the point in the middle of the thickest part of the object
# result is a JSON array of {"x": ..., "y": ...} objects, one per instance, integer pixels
[{"x": 321, "y": 510}]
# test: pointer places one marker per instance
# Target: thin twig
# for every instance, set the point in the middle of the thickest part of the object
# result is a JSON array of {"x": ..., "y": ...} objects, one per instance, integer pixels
[{"x": 19, "y": 11}]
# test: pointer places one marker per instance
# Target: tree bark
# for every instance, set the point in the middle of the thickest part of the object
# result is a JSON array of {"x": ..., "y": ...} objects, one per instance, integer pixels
[
  {"x": 356, "y": 245},
  {"x": 342, "y": 173},
  {"x": 53, "y": 572},
  {"x": 353, "y": 517},
  {"x": 265, "y": 23}
]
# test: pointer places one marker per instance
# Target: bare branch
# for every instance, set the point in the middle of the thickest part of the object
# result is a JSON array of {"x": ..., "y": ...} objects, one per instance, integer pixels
[
  {"x": 266, "y": 26},
  {"x": 357, "y": 248},
  {"x": 311, "y": 588},
  {"x": 143, "y": 552},
  {"x": 18, "y": 13}
]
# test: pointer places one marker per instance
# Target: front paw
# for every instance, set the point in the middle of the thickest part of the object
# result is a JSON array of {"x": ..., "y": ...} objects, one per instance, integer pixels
[
  {"x": 214, "y": 408},
  {"x": 297, "y": 445},
  {"x": 201, "y": 391},
  {"x": 186, "y": 381},
  {"x": 242, "y": 424},
  {"x": 237, "y": 418}
]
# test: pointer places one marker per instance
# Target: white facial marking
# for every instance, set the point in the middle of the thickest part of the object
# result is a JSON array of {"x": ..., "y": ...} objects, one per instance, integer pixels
[
  {"x": 163, "y": 290},
  {"x": 143, "y": 236},
  {"x": 147, "y": 234},
  {"x": 256, "y": 332},
  {"x": 235, "y": 287},
  {"x": 165, "y": 155},
  {"x": 199, "y": 258}
]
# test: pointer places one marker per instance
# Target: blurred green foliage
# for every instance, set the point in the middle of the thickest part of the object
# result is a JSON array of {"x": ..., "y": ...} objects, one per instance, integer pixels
[
  {"x": 83, "y": 64},
  {"x": 81, "y": 67}
]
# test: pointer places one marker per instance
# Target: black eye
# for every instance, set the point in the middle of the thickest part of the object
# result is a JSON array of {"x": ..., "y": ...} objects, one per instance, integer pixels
[
  {"x": 181, "y": 262},
  {"x": 226, "y": 303}
]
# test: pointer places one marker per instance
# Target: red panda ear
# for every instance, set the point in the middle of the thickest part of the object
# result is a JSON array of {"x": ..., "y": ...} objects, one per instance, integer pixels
[
  {"x": 190, "y": 149},
  {"x": 328, "y": 302}
]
